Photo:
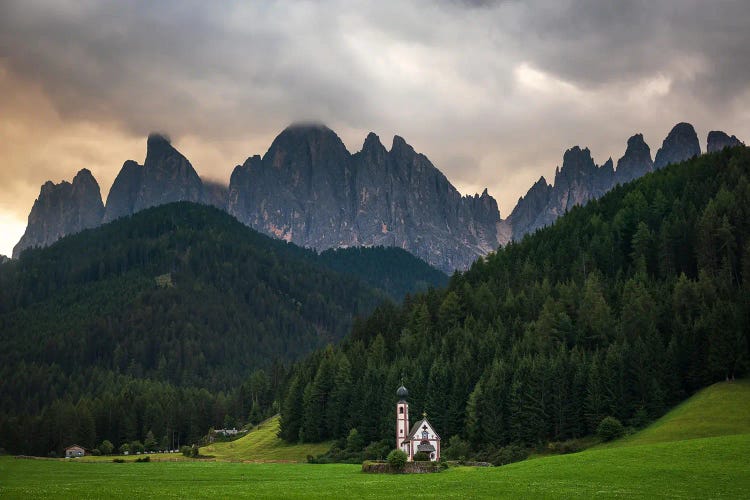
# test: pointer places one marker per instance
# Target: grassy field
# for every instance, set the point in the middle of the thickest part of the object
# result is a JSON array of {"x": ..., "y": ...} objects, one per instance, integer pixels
[
  {"x": 697, "y": 468},
  {"x": 263, "y": 445},
  {"x": 699, "y": 450},
  {"x": 720, "y": 410}
]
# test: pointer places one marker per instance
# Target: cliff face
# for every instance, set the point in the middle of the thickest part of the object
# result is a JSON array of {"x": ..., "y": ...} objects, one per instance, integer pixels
[
  {"x": 166, "y": 176},
  {"x": 578, "y": 181},
  {"x": 681, "y": 144},
  {"x": 309, "y": 190},
  {"x": 636, "y": 162},
  {"x": 718, "y": 140},
  {"x": 62, "y": 209}
]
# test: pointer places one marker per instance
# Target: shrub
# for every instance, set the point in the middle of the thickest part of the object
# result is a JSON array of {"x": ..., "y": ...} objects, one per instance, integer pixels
[
  {"x": 106, "y": 447},
  {"x": 397, "y": 459},
  {"x": 507, "y": 454},
  {"x": 457, "y": 449},
  {"x": 355, "y": 441},
  {"x": 421, "y": 456},
  {"x": 563, "y": 447},
  {"x": 136, "y": 447},
  {"x": 118, "y": 460},
  {"x": 125, "y": 448},
  {"x": 96, "y": 452},
  {"x": 185, "y": 450},
  {"x": 143, "y": 459},
  {"x": 377, "y": 450},
  {"x": 610, "y": 428}
]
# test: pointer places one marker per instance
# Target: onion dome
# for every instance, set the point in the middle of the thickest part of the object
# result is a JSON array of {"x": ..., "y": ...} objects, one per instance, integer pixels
[{"x": 402, "y": 393}]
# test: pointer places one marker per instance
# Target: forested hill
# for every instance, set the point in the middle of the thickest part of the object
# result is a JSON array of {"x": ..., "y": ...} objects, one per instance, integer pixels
[
  {"x": 182, "y": 294},
  {"x": 622, "y": 307},
  {"x": 390, "y": 269}
]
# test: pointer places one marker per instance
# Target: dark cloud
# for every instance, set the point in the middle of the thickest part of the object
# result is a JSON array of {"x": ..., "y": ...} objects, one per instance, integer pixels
[{"x": 492, "y": 91}]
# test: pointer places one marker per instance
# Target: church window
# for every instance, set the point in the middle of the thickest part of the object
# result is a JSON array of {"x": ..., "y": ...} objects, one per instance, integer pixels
[
  {"x": 401, "y": 410},
  {"x": 424, "y": 434},
  {"x": 401, "y": 431}
]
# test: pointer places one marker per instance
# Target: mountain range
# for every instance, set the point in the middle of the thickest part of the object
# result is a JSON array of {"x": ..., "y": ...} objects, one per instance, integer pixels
[{"x": 308, "y": 189}]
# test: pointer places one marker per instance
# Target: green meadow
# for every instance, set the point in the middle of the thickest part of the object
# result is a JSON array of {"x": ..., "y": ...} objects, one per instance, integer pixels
[{"x": 699, "y": 450}]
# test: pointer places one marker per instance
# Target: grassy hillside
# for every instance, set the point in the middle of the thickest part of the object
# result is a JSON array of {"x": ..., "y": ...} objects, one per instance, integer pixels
[
  {"x": 722, "y": 409},
  {"x": 263, "y": 445},
  {"x": 685, "y": 465},
  {"x": 698, "y": 468}
]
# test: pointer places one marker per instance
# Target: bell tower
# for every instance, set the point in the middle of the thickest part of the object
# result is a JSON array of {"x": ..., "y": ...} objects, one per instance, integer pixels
[{"x": 402, "y": 420}]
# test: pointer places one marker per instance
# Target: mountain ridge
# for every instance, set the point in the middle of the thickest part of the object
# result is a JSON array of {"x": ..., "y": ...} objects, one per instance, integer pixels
[{"x": 309, "y": 189}]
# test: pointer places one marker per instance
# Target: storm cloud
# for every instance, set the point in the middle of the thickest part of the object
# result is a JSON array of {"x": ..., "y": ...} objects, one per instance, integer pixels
[{"x": 492, "y": 92}]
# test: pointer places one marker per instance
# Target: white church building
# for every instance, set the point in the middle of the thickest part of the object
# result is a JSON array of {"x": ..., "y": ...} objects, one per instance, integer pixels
[{"x": 419, "y": 437}]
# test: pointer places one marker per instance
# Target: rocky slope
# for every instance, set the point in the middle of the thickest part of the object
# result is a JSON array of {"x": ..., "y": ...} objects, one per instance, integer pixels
[
  {"x": 681, "y": 144},
  {"x": 308, "y": 189},
  {"x": 62, "y": 209},
  {"x": 718, "y": 140},
  {"x": 166, "y": 176},
  {"x": 578, "y": 181},
  {"x": 636, "y": 162}
]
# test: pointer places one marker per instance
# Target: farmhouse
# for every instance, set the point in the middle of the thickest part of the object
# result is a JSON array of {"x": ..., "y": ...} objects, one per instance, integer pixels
[
  {"x": 74, "y": 451},
  {"x": 421, "y": 437}
]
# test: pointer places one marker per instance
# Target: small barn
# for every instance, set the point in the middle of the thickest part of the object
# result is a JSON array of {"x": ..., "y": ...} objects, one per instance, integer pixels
[{"x": 74, "y": 451}]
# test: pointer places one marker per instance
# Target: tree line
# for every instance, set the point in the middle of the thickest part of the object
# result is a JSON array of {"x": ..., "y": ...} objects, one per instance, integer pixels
[
  {"x": 155, "y": 322},
  {"x": 622, "y": 308}
]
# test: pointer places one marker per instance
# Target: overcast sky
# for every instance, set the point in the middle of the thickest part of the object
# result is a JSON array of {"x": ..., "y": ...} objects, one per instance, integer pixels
[{"x": 492, "y": 92}]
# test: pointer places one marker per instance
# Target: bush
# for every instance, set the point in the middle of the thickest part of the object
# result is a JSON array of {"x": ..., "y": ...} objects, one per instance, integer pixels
[
  {"x": 421, "y": 456},
  {"x": 185, "y": 450},
  {"x": 563, "y": 447},
  {"x": 397, "y": 459},
  {"x": 377, "y": 450},
  {"x": 457, "y": 449},
  {"x": 125, "y": 448},
  {"x": 610, "y": 428},
  {"x": 136, "y": 447},
  {"x": 355, "y": 441},
  {"x": 505, "y": 455},
  {"x": 96, "y": 452},
  {"x": 143, "y": 459},
  {"x": 106, "y": 447},
  {"x": 118, "y": 460}
]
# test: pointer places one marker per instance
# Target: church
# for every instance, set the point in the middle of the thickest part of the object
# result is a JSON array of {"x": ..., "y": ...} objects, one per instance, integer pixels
[{"x": 420, "y": 437}]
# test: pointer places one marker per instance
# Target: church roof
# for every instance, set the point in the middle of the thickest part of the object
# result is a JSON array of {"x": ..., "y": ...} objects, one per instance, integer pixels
[
  {"x": 427, "y": 448},
  {"x": 418, "y": 425}
]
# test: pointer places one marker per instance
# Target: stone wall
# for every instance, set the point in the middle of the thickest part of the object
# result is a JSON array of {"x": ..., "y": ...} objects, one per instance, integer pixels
[{"x": 409, "y": 468}]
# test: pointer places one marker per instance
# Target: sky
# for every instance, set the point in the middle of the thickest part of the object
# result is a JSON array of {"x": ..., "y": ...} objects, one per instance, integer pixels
[{"x": 493, "y": 92}]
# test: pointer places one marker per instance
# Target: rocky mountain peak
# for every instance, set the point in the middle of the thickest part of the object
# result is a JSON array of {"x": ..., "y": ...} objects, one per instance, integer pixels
[
  {"x": 636, "y": 161},
  {"x": 718, "y": 140},
  {"x": 167, "y": 176},
  {"x": 681, "y": 144},
  {"x": 124, "y": 191},
  {"x": 372, "y": 145},
  {"x": 401, "y": 148},
  {"x": 62, "y": 209}
]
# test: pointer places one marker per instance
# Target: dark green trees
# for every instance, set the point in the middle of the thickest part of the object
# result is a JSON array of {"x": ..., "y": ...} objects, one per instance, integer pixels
[{"x": 621, "y": 308}]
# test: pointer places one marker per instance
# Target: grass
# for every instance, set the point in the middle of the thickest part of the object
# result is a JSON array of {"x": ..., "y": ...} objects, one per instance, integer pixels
[
  {"x": 263, "y": 445},
  {"x": 698, "y": 450},
  {"x": 697, "y": 468},
  {"x": 719, "y": 410}
]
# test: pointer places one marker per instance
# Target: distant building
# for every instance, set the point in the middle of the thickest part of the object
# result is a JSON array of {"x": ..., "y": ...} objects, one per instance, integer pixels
[
  {"x": 420, "y": 437},
  {"x": 74, "y": 451},
  {"x": 227, "y": 432}
]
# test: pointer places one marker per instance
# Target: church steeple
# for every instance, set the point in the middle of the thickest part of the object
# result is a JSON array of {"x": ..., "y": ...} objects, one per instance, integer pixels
[{"x": 402, "y": 420}]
